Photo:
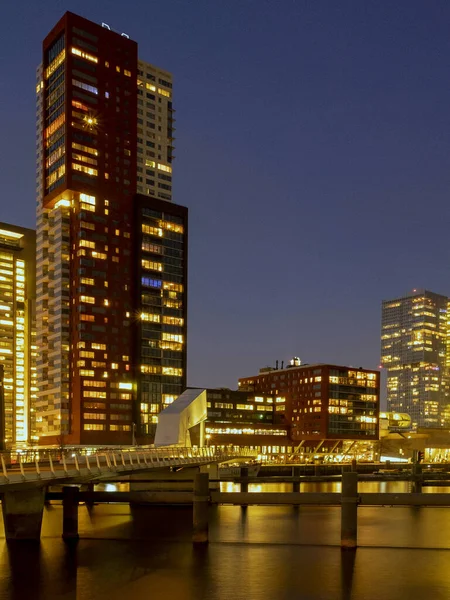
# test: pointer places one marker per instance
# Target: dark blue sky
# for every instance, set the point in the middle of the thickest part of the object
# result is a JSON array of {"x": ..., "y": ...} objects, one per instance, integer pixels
[{"x": 313, "y": 150}]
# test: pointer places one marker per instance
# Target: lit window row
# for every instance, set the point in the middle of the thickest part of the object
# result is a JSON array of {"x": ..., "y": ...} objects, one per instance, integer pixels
[
  {"x": 56, "y": 62},
  {"x": 156, "y": 370},
  {"x": 85, "y": 86},
  {"x": 83, "y": 54},
  {"x": 150, "y": 317},
  {"x": 86, "y": 159},
  {"x": 152, "y": 230},
  {"x": 86, "y": 149},
  {"x": 83, "y": 169},
  {"x": 151, "y": 265}
]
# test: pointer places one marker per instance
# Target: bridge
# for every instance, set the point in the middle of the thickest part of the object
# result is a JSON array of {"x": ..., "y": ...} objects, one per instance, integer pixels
[{"x": 23, "y": 486}]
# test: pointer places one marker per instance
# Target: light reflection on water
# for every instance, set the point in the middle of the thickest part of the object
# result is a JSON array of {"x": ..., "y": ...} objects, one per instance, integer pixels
[
  {"x": 256, "y": 553},
  {"x": 363, "y": 486}
]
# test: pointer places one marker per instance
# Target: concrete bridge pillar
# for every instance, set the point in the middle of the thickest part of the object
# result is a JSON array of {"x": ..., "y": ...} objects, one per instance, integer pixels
[
  {"x": 213, "y": 472},
  {"x": 70, "y": 513},
  {"x": 22, "y": 514}
]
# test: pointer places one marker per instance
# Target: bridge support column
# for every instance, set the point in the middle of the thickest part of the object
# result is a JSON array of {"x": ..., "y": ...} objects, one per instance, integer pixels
[
  {"x": 417, "y": 478},
  {"x": 70, "y": 513},
  {"x": 213, "y": 472},
  {"x": 89, "y": 488},
  {"x": 349, "y": 511},
  {"x": 200, "y": 508},
  {"x": 244, "y": 484},
  {"x": 22, "y": 514},
  {"x": 295, "y": 484}
]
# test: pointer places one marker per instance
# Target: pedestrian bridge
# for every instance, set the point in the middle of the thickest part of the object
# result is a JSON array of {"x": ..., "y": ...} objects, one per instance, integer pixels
[
  {"x": 23, "y": 486},
  {"x": 77, "y": 467}
]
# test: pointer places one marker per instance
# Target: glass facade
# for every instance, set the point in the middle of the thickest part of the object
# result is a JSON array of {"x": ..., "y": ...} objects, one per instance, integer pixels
[
  {"x": 17, "y": 323},
  {"x": 161, "y": 318},
  {"x": 414, "y": 352}
]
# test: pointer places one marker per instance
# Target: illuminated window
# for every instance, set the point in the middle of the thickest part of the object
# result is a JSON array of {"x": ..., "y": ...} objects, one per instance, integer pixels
[
  {"x": 85, "y": 86},
  {"x": 89, "y": 394},
  {"x": 127, "y": 73},
  {"x": 90, "y": 318},
  {"x": 150, "y": 317},
  {"x": 86, "y": 149},
  {"x": 150, "y": 369},
  {"x": 56, "y": 62},
  {"x": 86, "y": 244},
  {"x": 88, "y": 207},
  {"x": 176, "y": 287},
  {"x": 83, "y": 169},
  {"x": 86, "y": 159},
  {"x": 152, "y": 230},
  {"x": 97, "y": 346},
  {"x": 172, "y": 337},
  {"x": 173, "y": 321},
  {"x": 125, "y": 386},
  {"x": 164, "y": 92},
  {"x": 147, "y": 247},
  {"x": 94, "y": 427},
  {"x": 165, "y": 168},
  {"x": 87, "y": 299},
  {"x": 151, "y": 265},
  {"x": 87, "y": 281},
  {"x": 171, "y": 226},
  {"x": 172, "y": 371},
  {"x": 86, "y": 373},
  {"x": 90, "y": 383},
  {"x": 153, "y": 283},
  {"x": 83, "y": 54}
]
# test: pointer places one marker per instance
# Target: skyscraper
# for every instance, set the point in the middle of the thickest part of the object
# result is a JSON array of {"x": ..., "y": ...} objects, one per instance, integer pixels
[
  {"x": 94, "y": 145},
  {"x": 161, "y": 323},
  {"x": 17, "y": 331},
  {"x": 414, "y": 353}
]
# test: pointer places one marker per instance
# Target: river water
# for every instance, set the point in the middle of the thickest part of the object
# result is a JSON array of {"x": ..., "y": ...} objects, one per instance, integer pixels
[{"x": 257, "y": 553}]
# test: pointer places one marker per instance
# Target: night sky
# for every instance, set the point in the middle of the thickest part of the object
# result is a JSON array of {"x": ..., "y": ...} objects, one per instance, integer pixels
[{"x": 313, "y": 150}]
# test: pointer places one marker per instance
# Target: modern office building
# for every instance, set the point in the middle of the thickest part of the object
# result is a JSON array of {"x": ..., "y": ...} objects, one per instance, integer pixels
[
  {"x": 414, "y": 352},
  {"x": 161, "y": 238},
  {"x": 92, "y": 148},
  {"x": 17, "y": 322},
  {"x": 323, "y": 402},
  {"x": 244, "y": 418}
]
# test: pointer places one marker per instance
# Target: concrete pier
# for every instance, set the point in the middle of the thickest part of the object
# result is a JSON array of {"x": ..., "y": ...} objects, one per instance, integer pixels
[
  {"x": 295, "y": 484},
  {"x": 349, "y": 511},
  {"x": 417, "y": 478},
  {"x": 70, "y": 513},
  {"x": 200, "y": 509},
  {"x": 22, "y": 514},
  {"x": 244, "y": 473}
]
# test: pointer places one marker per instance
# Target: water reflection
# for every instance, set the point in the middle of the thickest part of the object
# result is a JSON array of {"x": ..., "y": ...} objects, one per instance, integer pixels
[{"x": 259, "y": 553}]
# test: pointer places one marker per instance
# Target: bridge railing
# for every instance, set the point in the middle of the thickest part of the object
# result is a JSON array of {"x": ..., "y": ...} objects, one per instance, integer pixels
[
  {"x": 13, "y": 458},
  {"x": 111, "y": 461}
]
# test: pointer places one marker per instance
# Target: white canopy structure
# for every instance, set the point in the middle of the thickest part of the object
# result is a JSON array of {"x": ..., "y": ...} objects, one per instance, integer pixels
[{"x": 175, "y": 421}]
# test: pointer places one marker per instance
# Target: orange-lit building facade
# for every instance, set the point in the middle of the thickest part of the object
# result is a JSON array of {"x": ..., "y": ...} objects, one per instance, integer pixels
[
  {"x": 323, "y": 402},
  {"x": 93, "y": 147}
]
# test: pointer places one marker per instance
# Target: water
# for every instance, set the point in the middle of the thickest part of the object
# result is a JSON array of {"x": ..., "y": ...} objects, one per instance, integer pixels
[{"x": 258, "y": 553}]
